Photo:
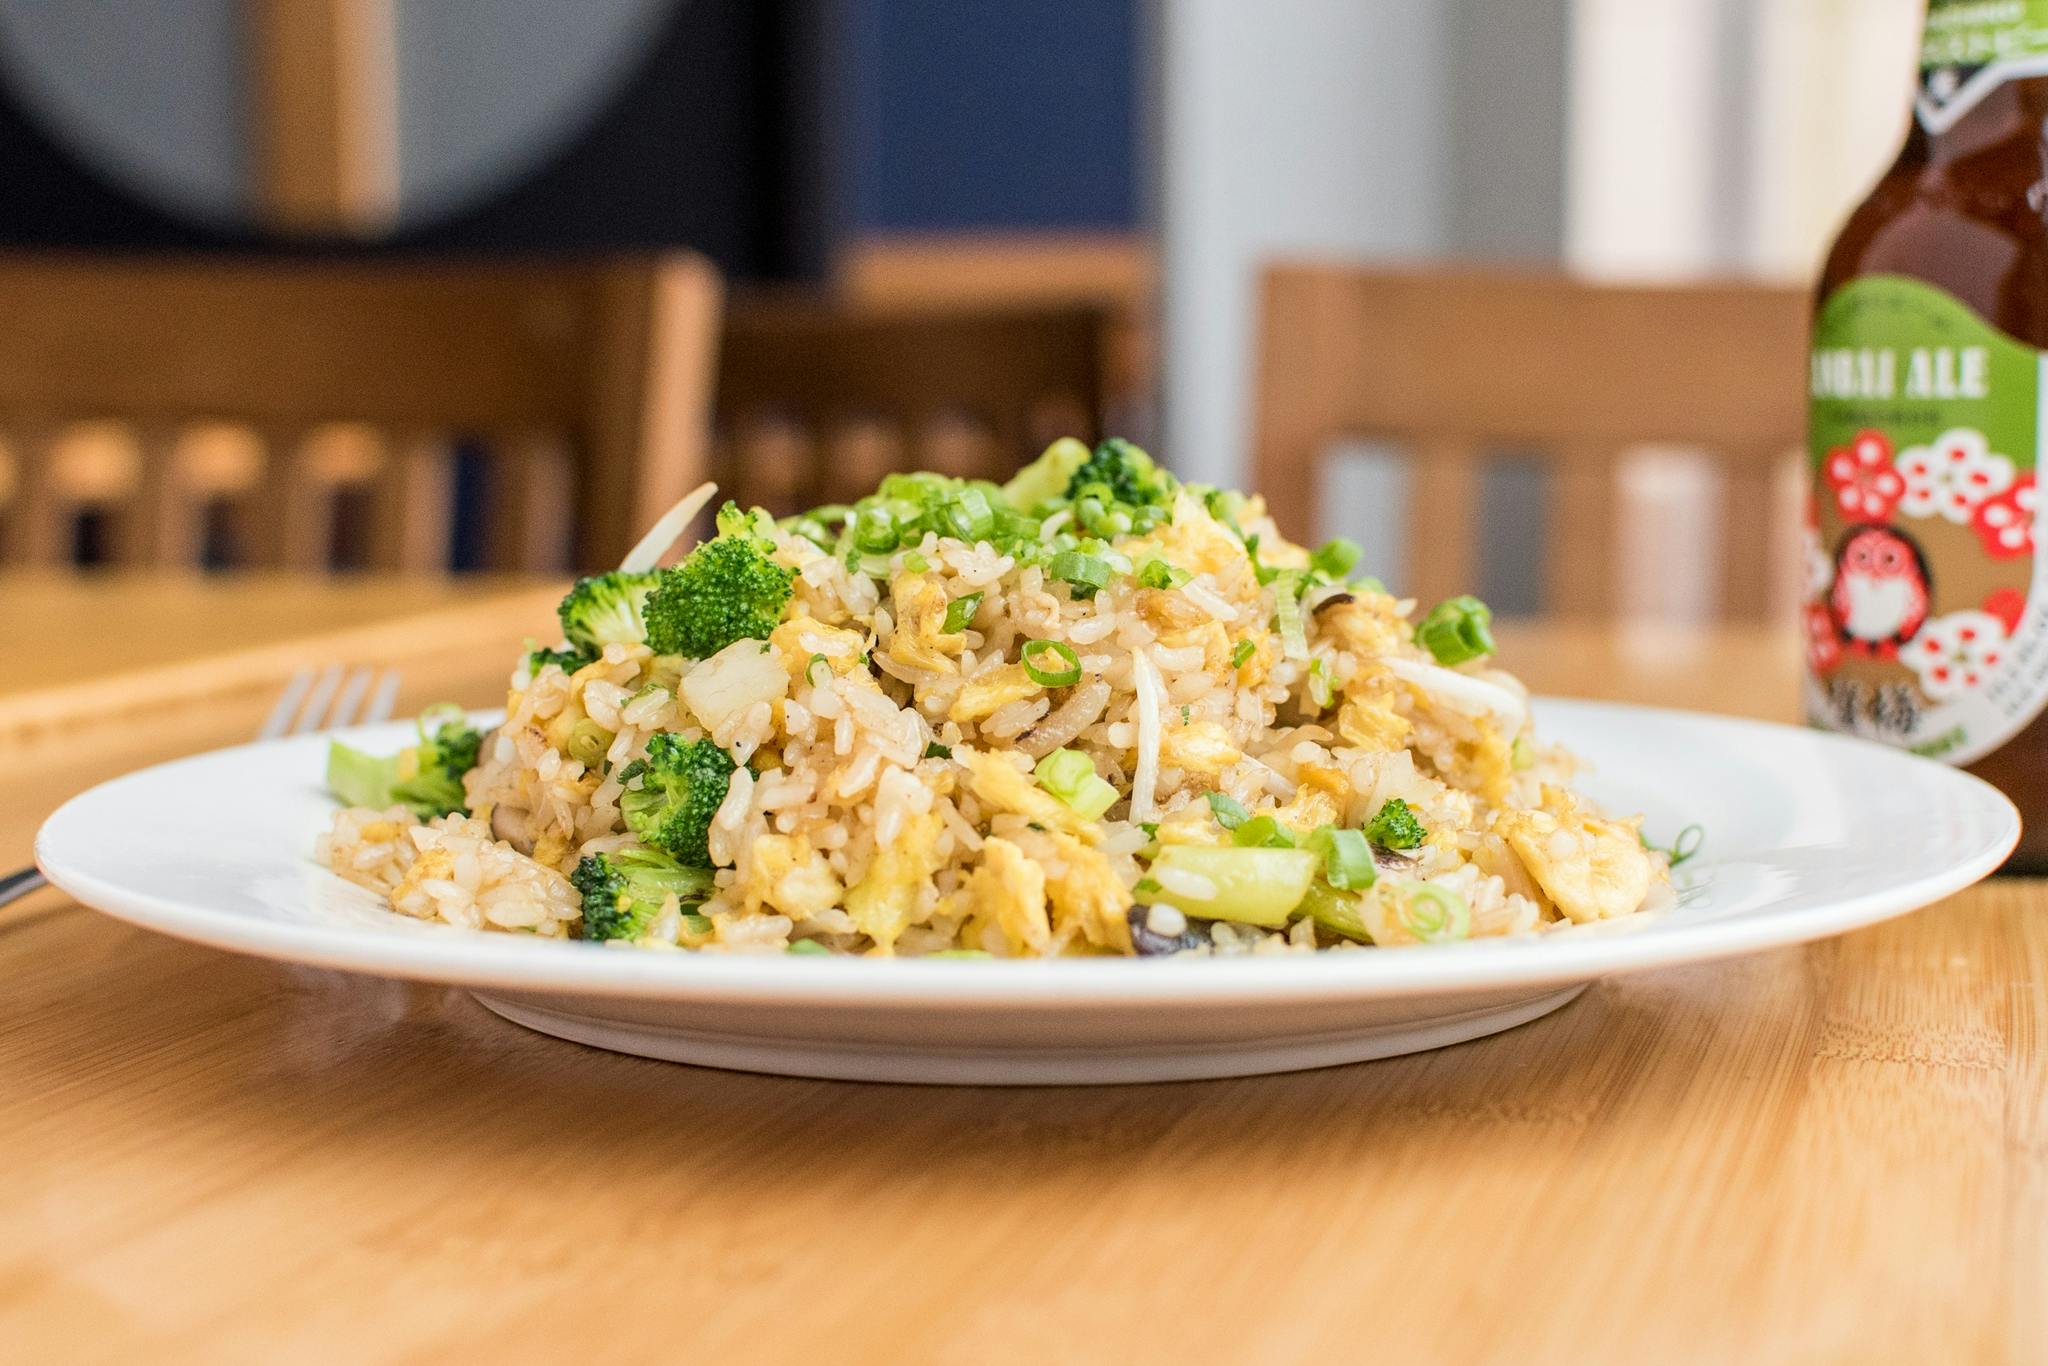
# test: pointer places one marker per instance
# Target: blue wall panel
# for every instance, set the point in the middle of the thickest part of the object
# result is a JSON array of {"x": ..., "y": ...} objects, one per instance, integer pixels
[{"x": 995, "y": 114}]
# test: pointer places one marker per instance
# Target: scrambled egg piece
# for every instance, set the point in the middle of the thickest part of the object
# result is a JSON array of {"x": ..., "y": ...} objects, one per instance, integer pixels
[
  {"x": 797, "y": 639},
  {"x": 787, "y": 875},
  {"x": 920, "y": 640},
  {"x": 996, "y": 688},
  {"x": 883, "y": 902},
  {"x": 1004, "y": 788},
  {"x": 1089, "y": 896},
  {"x": 1593, "y": 869},
  {"x": 1199, "y": 545},
  {"x": 1202, "y": 747},
  {"x": 1309, "y": 807},
  {"x": 1370, "y": 718},
  {"x": 1008, "y": 891},
  {"x": 1369, "y": 624}
]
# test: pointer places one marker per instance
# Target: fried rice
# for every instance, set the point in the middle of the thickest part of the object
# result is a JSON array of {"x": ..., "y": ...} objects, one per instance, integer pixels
[{"x": 895, "y": 743}]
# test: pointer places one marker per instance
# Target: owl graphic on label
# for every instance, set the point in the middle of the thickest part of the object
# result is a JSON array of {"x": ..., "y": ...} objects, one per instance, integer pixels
[{"x": 1880, "y": 595}]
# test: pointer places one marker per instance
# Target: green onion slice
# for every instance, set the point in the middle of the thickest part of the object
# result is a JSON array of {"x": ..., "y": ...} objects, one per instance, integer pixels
[
  {"x": 1434, "y": 914},
  {"x": 1337, "y": 557},
  {"x": 1230, "y": 812},
  {"x": 1240, "y": 652},
  {"x": 1070, "y": 775},
  {"x": 1066, "y": 675},
  {"x": 1262, "y": 832},
  {"x": 1456, "y": 630},
  {"x": 960, "y": 611},
  {"x": 1160, "y": 574},
  {"x": 1086, "y": 574},
  {"x": 1347, "y": 857},
  {"x": 810, "y": 947},
  {"x": 811, "y": 671},
  {"x": 1287, "y": 616}
]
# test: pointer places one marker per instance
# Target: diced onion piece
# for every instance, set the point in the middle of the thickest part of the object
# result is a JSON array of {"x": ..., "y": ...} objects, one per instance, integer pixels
[
  {"x": 663, "y": 535},
  {"x": 1462, "y": 692},
  {"x": 743, "y": 673},
  {"x": 1145, "y": 781}
]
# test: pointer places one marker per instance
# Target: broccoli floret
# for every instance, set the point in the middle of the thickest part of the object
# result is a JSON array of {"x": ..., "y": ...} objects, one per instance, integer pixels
[
  {"x": 728, "y": 589},
  {"x": 605, "y": 609},
  {"x": 624, "y": 891},
  {"x": 568, "y": 657},
  {"x": 1126, "y": 471},
  {"x": 426, "y": 777},
  {"x": 673, "y": 793},
  {"x": 1395, "y": 827},
  {"x": 1047, "y": 477}
]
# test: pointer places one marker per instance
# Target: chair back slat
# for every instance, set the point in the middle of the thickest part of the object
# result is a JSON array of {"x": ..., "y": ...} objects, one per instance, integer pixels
[
  {"x": 1456, "y": 367},
  {"x": 973, "y": 392},
  {"x": 354, "y": 372}
]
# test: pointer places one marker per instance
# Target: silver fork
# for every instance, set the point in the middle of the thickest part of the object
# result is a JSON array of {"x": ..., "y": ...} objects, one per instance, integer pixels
[{"x": 313, "y": 700}]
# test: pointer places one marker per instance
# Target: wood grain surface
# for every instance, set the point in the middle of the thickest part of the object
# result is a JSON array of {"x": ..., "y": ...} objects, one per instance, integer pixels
[{"x": 1834, "y": 1154}]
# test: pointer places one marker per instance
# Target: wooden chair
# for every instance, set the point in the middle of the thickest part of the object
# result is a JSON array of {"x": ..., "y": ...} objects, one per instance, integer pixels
[
  {"x": 1457, "y": 367},
  {"x": 152, "y": 394},
  {"x": 817, "y": 398},
  {"x": 1115, "y": 272}
]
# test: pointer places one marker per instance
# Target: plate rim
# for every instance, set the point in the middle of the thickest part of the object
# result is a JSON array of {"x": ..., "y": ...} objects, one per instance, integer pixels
[{"x": 473, "y": 959}]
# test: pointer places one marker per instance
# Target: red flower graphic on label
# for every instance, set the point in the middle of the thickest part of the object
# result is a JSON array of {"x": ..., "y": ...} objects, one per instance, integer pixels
[
  {"x": 1823, "y": 645},
  {"x": 1953, "y": 477},
  {"x": 2006, "y": 523},
  {"x": 2006, "y": 604},
  {"x": 1867, "y": 485},
  {"x": 1956, "y": 653}
]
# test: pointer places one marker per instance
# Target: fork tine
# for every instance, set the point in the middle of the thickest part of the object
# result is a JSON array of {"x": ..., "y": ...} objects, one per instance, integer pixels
[
  {"x": 317, "y": 699},
  {"x": 385, "y": 700},
  {"x": 281, "y": 712},
  {"x": 353, "y": 689}
]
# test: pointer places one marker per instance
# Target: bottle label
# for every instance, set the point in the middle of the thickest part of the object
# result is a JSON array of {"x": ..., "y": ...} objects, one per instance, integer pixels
[
  {"x": 1926, "y": 606},
  {"x": 1970, "y": 48}
]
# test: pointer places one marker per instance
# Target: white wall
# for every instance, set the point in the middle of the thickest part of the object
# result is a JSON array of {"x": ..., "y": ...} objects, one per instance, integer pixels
[{"x": 1303, "y": 126}]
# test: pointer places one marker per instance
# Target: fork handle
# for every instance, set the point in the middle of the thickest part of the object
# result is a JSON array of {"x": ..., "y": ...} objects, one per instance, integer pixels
[{"x": 15, "y": 886}]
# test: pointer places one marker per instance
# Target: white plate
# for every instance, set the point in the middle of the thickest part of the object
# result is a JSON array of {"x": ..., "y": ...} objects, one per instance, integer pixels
[{"x": 1807, "y": 835}]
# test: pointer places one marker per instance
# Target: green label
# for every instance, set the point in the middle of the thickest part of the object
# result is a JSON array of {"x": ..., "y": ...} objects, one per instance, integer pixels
[
  {"x": 1971, "y": 47},
  {"x": 1925, "y": 625}
]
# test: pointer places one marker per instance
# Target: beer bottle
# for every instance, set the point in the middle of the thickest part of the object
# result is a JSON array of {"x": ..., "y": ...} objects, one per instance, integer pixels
[{"x": 1926, "y": 593}]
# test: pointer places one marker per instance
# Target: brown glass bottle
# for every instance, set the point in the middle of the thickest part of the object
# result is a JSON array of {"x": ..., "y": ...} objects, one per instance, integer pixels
[{"x": 1962, "y": 210}]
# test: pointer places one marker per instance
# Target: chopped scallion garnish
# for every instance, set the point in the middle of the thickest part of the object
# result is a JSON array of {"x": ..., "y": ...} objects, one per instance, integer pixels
[
  {"x": 1240, "y": 652},
  {"x": 1160, "y": 574},
  {"x": 1456, "y": 630},
  {"x": 960, "y": 611},
  {"x": 1432, "y": 913},
  {"x": 1085, "y": 574},
  {"x": 1035, "y": 654},
  {"x": 1337, "y": 557},
  {"x": 1070, "y": 775},
  {"x": 1230, "y": 812},
  {"x": 1262, "y": 832},
  {"x": 1347, "y": 857},
  {"x": 1686, "y": 846}
]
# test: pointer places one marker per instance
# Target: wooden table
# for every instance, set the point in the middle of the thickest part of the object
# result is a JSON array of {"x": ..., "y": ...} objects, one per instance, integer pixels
[{"x": 1837, "y": 1153}]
